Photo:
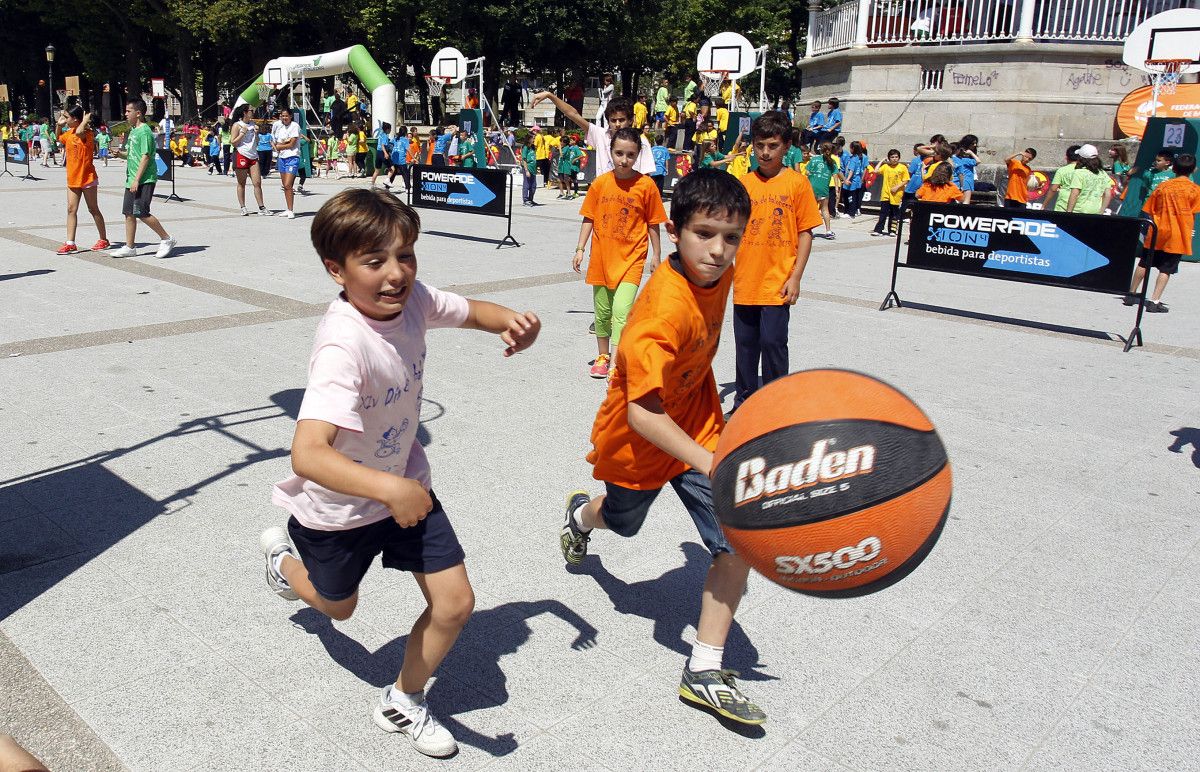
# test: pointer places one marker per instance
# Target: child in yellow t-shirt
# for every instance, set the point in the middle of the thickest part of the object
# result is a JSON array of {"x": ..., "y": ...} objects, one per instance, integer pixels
[{"x": 891, "y": 191}]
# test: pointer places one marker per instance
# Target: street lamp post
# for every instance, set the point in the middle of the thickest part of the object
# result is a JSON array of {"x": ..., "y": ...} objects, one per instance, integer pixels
[{"x": 50, "y": 82}]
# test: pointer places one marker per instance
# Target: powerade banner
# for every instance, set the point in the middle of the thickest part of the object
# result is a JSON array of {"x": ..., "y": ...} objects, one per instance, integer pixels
[
  {"x": 163, "y": 162},
  {"x": 477, "y": 191},
  {"x": 1080, "y": 251},
  {"x": 15, "y": 152}
]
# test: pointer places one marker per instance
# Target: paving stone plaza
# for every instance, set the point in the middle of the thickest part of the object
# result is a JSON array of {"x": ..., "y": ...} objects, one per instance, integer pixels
[{"x": 147, "y": 406}]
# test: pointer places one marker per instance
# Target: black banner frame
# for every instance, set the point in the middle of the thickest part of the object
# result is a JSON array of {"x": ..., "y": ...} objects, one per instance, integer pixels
[
  {"x": 28, "y": 170},
  {"x": 892, "y": 299},
  {"x": 168, "y": 158},
  {"x": 508, "y": 237}
]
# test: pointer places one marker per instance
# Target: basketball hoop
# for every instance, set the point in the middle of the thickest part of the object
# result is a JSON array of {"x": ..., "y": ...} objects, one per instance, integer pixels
[
  {"x": 437, "y": 83},
  {"x": 264, "y": 91},
  {"x": 711, "y": 81},
  {"x": 1166, "y": 73}
]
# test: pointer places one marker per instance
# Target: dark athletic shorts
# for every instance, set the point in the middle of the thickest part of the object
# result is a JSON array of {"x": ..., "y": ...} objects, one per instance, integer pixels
[
  {"x": 138, "y": 204},
  {"x": 624, "y": 509},
  {"x": 338, "y": 560},
  {"x": 1165, "y": 262}
]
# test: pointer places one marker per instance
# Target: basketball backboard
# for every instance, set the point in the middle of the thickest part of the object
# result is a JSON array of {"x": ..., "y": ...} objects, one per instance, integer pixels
[
  {"x": 1169, "y": 35},
  {"x": 273, "y": 76},
  {"x": 727, "y": 51},
  {"x": 449, "y": 63}
]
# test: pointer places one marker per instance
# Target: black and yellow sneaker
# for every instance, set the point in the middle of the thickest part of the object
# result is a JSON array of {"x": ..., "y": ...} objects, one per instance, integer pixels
[
  {"x": 573, "y": 540},
  {"x": 716, "y": 690}
]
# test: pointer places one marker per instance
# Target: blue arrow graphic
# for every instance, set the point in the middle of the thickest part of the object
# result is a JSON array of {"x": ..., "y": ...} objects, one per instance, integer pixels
[
  {"x": 477, "y": 194},
  {"x": 1061, "y": 255},
  {"x": 158, "y": 164}
]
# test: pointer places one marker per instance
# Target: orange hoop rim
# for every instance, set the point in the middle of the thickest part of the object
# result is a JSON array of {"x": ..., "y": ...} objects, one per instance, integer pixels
[{"x": 1169, "y": 65}]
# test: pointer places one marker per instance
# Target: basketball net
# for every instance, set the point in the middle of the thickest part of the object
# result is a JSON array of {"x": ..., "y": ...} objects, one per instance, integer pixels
[
  {"x": 711, "y": 80},
  {"x": 264, "y": 92},
  {"x": 437, "y": 83},
  {"x": 1166, "y": 73}
]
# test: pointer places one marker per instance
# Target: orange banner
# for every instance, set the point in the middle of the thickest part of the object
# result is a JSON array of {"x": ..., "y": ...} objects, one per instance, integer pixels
[{"x": 1135, "y": 108}]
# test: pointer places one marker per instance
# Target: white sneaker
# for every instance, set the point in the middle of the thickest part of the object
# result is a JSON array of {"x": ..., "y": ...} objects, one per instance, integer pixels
[
  {"x": 424, "y": 731},
  {"x": 262, "y": 212},
  {"x": 125, "y": 251},
  {"x": 272, "y": 542},
  {"x": 290, "y": 214},
  {"x": 244, "y": 212},
  {"x": 165, "y": 246}
]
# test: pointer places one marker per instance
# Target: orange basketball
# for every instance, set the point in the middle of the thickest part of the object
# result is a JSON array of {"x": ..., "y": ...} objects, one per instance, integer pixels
[{"x": 831, "y": 483}]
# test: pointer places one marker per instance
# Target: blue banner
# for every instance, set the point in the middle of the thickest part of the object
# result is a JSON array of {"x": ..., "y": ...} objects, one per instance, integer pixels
[{"x": 475, "y": 191}]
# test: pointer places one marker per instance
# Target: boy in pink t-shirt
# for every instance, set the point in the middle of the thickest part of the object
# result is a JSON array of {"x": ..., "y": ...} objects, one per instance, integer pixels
[{"x": 362, "y": 485}]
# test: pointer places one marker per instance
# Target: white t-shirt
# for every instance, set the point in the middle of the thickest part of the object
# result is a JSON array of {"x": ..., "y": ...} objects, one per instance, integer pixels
[
  {"x": 366, "y": 378},
  {"x": 598, "y": 138},
  {"x": 248, "y": 144},
  {"x": 281, "y": 134}
]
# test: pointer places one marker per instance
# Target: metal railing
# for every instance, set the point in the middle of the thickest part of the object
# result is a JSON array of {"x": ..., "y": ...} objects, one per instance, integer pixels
[
  {"x": 834, "y": 28},
  {"x": 905, "y": 22}
]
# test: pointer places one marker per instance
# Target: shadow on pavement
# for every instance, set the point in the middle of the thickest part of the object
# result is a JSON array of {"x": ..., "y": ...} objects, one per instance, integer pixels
[
  {"x": 1188, "y": 435},
  {"x": 38, "y": 272},
  {"x": 1081, "y": 332},
  {"x": 99, "y": 508},
  {"x": 479, "y": 685},
  {"x": 672, "y": 602}
]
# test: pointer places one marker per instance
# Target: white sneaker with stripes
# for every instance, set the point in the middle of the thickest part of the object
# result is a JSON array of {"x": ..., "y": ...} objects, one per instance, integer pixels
[{"x": 424, "y": 731}]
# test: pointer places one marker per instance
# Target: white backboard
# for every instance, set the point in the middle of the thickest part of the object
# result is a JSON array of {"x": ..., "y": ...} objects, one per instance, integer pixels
[
  {"x": 727, "y": 51},
  {"x": 449, "y": 63},
  {"x": 1170, "y": 35}
]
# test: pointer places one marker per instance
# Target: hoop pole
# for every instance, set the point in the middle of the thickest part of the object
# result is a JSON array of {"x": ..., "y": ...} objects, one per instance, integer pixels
[{"x": 762, "y": 79}]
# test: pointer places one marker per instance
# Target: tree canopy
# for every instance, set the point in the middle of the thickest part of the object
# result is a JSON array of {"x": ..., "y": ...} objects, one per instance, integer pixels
[{"x": 217, "y": 46}]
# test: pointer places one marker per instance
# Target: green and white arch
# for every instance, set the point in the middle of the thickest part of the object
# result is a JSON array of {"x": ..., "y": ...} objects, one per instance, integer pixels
[{"x": 354, "y": 59}]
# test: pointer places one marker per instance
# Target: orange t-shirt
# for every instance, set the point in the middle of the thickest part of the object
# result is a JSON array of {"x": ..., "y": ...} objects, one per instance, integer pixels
[
  {"x": 1018, "y": 181},
  {"x": 1174, "y": 205},
  {"x": 621, "y": 212},
  {"x": 780, "y": 209},
  {"x": 414, "y": 151},
  {"x": 667, "y": 347},
  {"x": 939, "y": 193},
  {"x": 81, "y": 171}
]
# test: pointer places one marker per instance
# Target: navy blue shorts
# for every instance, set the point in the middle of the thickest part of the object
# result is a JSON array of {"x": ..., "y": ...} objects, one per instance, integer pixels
[
  {"x": 624, "y": 510},
  {"x": 338, "y": 560}
]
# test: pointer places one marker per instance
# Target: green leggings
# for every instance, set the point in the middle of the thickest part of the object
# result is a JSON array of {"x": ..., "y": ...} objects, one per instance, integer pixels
[{"x": 612, "y": 309}]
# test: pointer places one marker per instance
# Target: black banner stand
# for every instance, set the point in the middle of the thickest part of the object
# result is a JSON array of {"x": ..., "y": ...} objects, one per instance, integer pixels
[
  {"x": 168, "y": 157},
  {"x": 892, "y": 299},
  {"x": 28, "y": 174},
  {"x": 416, "y": 200}
]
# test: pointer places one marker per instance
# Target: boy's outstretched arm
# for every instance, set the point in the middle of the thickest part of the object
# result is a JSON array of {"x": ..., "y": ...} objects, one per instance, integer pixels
[
  {"x": 570, "y": 113},
  {"x": 647, "y": 418},
  {"x": 314, "y": 458},
  {"x": 517, "y": 330}
]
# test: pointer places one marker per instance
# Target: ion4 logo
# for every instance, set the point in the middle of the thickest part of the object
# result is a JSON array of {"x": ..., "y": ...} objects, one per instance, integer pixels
[{"x": 823, "y": 562}]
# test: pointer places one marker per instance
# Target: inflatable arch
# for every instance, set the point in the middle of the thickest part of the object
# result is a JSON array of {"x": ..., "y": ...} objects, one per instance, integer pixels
[{"x": 354, "y": 59}]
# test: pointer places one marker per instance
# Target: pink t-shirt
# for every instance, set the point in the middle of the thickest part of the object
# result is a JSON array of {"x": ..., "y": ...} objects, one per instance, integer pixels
[
  {"x": 365, "y": 377},
  {"x": 598, "y": 138}
]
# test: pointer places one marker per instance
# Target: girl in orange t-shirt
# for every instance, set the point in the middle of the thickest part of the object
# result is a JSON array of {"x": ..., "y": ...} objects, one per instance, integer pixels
[
  {"x": 938, "y": 187},
  {"x": 621, "y": 214},
  {"x": 75, "y": 132}
]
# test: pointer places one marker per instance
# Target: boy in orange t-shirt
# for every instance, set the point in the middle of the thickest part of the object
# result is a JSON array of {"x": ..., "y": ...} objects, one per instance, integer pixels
[
  {"x": 1173, "y": 206},
  {"x": 938, "y": 188},
  {"x": 661, "y": 419},
  {"x": 772, "y": 256},
  {"x": 1016, "y": 195},
  {"x": 621, "y": 214}
]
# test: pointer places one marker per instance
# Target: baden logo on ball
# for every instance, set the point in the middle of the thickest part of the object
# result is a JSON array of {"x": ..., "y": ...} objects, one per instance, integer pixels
[{"x": 831, "y": 483}]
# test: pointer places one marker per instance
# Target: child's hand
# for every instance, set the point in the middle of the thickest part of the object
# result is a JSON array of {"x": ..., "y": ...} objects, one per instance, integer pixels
[
  {"x": 407, "y": 500},
  {"x": 522, "y": 331},
  {"x": 577, "y": 261},
  {"x": 790, "y": 291}
]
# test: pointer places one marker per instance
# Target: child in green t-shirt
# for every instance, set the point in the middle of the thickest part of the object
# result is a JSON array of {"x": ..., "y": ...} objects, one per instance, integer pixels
[
  {"x": 529, "y": 169},
  {"x": 568, "y": 167}
]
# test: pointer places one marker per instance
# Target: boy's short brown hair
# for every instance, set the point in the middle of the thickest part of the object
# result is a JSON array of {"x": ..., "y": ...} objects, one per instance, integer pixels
[{"x": 359, "y": 220}]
